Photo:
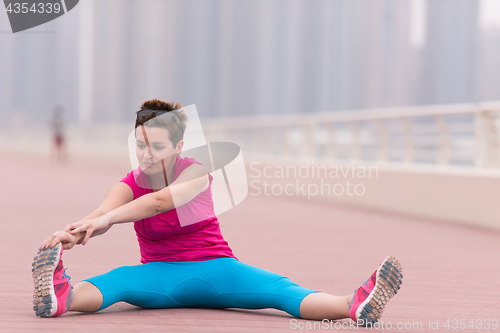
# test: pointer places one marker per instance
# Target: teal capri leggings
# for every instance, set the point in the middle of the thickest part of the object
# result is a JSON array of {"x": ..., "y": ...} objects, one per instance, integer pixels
[{"x": 217, "y": 283}]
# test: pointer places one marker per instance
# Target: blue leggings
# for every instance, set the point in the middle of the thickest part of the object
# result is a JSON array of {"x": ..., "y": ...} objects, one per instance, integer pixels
[{"x": 217, "y": 283}]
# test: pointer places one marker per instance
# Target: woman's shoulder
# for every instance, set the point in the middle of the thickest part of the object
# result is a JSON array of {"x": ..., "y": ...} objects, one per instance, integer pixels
[
  {"x": 137, "y": 181},
  {"x": 183, "y": 162},
  {"x": 129, "y": 179},
  {"x": 132, "y": 176}
]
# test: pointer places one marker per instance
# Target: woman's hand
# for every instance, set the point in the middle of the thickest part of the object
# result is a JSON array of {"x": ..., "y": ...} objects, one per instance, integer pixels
[
  {"x": 90, "y": 228},
  {"x": 68, "y": 240}
]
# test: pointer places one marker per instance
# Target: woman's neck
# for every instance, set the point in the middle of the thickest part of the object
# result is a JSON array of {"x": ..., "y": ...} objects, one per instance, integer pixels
[{"x": 163, "y": 179}]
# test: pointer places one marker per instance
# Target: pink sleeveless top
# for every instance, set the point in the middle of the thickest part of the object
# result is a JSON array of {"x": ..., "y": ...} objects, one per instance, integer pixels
[{"x": 162, "y": 238}]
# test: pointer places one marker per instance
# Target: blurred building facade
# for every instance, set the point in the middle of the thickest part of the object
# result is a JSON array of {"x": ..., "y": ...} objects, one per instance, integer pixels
[{"x": 104, "y": 58}]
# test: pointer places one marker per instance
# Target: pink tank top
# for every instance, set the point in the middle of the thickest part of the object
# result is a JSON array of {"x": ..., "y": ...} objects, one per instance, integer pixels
[{"x": 162, "y": 238}]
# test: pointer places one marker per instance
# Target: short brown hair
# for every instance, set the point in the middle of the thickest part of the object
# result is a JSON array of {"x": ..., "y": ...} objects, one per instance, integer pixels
[{"x": 175, "y": 129}]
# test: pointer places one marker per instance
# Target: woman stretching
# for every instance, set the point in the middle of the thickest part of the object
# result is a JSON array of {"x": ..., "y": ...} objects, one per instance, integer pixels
[{"x": 185, "y": 260}]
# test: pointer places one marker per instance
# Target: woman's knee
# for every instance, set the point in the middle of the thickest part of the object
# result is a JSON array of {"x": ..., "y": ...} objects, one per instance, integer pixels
[{"x": 86, "y": 297}]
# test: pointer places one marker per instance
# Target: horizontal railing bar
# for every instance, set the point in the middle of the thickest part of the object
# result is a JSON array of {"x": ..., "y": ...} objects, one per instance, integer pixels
[{"x": 349, "y": 116}]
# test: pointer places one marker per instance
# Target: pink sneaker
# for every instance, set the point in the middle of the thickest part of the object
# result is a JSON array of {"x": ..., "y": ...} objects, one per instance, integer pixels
[
  {"x": 53, "y": 292},
  {"x": 370, "y": 298}
]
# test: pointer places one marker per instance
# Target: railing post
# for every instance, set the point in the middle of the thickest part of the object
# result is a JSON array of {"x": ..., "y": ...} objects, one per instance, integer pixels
[
  {"x": 331, "y": 142},
  {"x": 409, "y": 141},
  {"x": 383, "y": 151},
  {"x": 256, "y": 143},
  {"x": 270, "y": 141},
  {"x": 284, "y": 144},
  {"x": 444, "y": 149},
  {"x": 356, "y": 152},
  {"x": 487, "y": 140},
  {"x": 308, "y": 148},
  {"x": 210, "y": 133}
]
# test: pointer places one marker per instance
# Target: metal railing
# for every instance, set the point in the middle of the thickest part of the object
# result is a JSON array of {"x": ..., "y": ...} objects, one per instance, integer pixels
[{"x": 463, "y": 134}]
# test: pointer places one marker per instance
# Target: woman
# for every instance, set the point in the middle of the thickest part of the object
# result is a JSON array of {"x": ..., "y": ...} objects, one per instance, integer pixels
[
  {"x": 59, "y": 143},
  {"x": 185, "y": 260}
]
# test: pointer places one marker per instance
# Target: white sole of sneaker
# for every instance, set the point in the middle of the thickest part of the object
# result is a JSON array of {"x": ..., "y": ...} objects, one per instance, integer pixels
[
  {"x": 388, "y": 282},
  {"x": 44, "y": 265}
]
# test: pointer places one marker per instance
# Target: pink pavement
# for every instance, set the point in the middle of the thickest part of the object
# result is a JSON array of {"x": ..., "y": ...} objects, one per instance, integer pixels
[{"x": 450, "y": 271}]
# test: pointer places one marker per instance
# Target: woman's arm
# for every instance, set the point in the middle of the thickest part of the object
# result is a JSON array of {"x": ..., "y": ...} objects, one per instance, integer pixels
[
  {"x": 118, "y": 195},
  {"x": 191, "y": 182}
]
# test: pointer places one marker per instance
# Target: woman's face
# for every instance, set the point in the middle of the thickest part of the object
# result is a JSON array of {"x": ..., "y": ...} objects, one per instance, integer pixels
[{"x": 153, "y": 148}]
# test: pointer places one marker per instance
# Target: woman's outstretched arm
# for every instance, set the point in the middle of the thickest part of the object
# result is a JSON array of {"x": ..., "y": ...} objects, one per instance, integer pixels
[
  {"x": 191, "y": 182},
  {"x": 118, "y": 195}
]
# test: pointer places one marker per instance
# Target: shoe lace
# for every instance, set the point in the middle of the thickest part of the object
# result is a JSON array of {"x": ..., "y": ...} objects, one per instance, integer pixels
[{"x": 65, "y": 275}]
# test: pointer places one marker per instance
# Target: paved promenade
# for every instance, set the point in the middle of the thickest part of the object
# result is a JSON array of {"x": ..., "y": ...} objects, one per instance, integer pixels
[{"x": 450, "y": 272}]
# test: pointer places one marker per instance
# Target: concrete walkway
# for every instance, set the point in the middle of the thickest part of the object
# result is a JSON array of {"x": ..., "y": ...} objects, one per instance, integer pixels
[{"x": 450, "y": 272}]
